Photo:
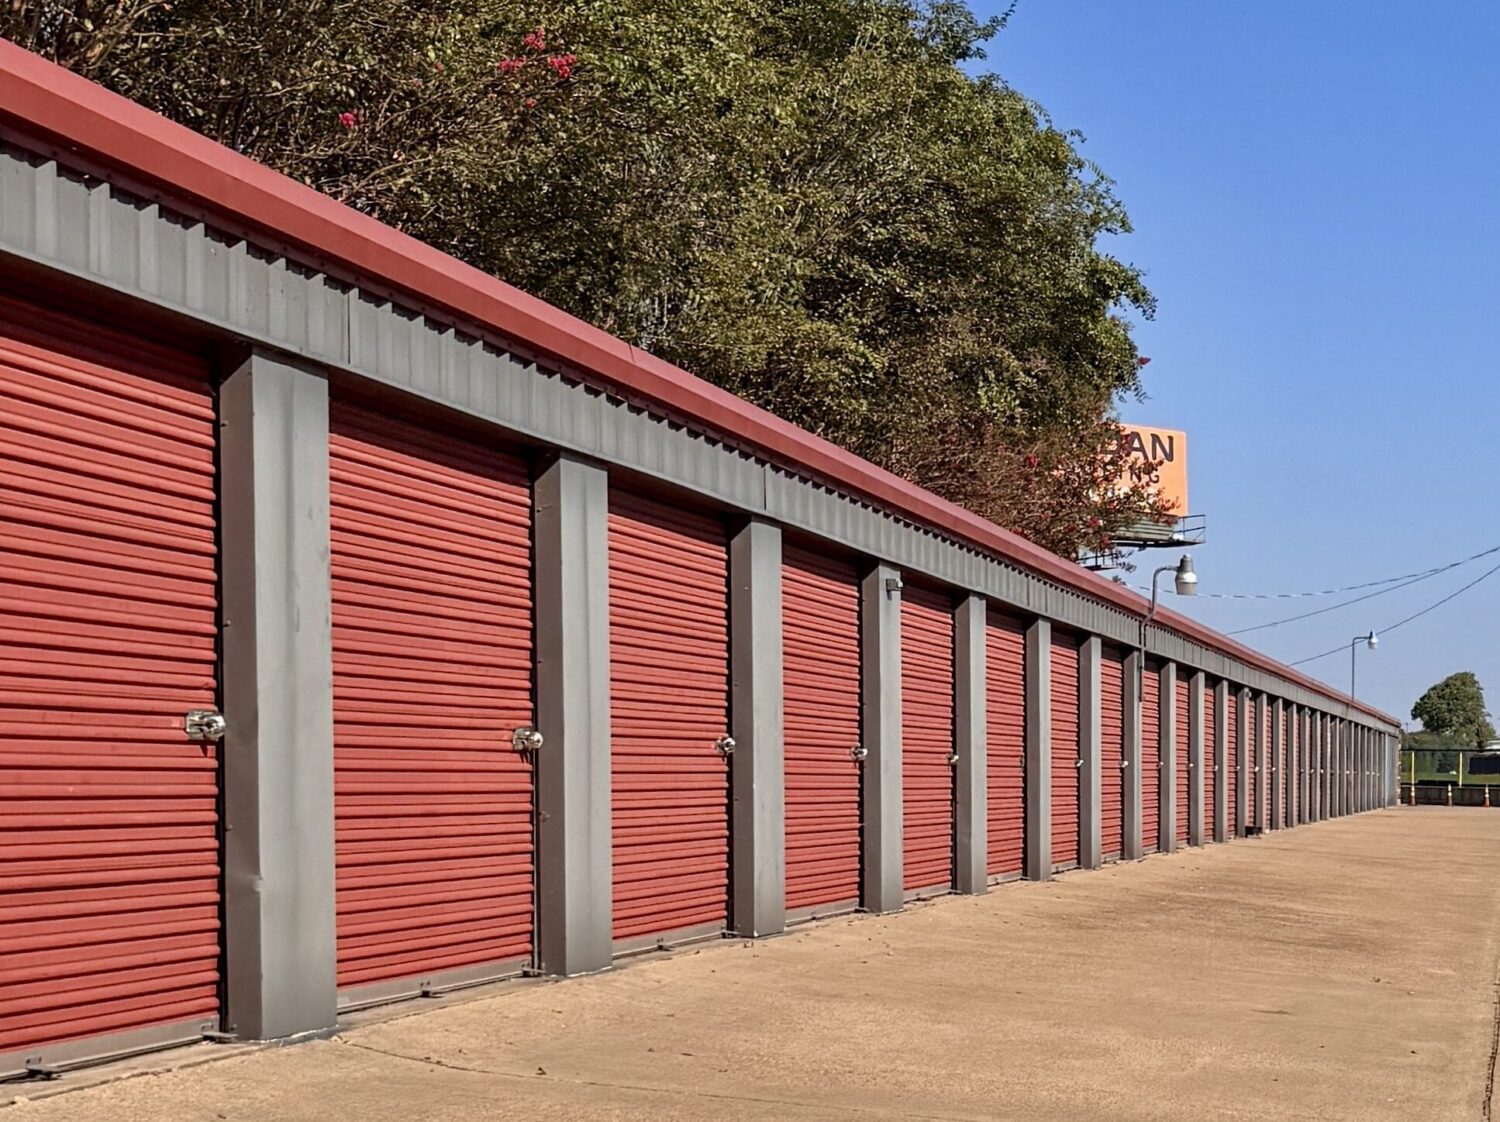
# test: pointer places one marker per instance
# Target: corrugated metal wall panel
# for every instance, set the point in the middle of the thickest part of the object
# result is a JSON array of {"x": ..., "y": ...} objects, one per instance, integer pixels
[
  {"x": 669, "y": 705},
  {"x": 1180, "y": 771},
  {"x": 1112, "y": 753},
  {"x": 1065, "y": 770},
  {"x": 109, "y": 852},
  {"x": 432, "y": 671},
  {"x": 1231, "y": 764},
  {"x": 1152, "y": 773},
  {"x": 820, "y": 637},
  {"x": 927, "y": 741},
  {"x": 1210, "y": 759},
  {"x": 1005, "y": 774}
]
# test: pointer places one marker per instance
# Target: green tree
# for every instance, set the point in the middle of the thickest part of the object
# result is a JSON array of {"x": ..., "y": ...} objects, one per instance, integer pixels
[
  {"x": 1454, "y": 709},
  {"x": 807, "y": 202}
]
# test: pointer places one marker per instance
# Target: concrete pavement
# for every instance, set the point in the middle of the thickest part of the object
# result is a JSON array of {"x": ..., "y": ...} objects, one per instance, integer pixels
[{"x": 1345, "y": 970}]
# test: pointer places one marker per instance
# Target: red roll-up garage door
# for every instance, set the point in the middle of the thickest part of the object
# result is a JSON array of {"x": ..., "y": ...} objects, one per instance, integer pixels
[
  {"x": 1181, "y": 773},
  {"x": 431, "y": 559},
  {"x": 926, "y": 740},
  {"x": 1152, "y": 773},
  {"x": 109, "y": 855},
  {"x": 1005, "y": 724},
  {"x": 1231, "y": 765},
  {"x": 1112, "y": 753},
  {"x": 1064, "y": 751},
  {"x": 820, "y": 637},
  {"x": 1210, "y": 760},
  {"x": 1289, "y": 785},
  {"x": 669, "y": 708}
]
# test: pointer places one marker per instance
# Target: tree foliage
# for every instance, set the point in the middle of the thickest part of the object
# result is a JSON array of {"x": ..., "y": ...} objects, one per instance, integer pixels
[
  {"x": 808, "y": 202},
  {"x": 1454, "y": 710}
]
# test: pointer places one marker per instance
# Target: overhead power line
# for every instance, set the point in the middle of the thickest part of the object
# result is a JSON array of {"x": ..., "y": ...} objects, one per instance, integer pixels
[
  {"x": 1336, "y": 591},
  {"x": 1340, "y": 604},
  {"x": 1402, "y": 623}
]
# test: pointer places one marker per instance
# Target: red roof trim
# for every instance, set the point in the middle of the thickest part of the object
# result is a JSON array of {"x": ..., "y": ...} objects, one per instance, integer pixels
[{"x": 80, "y": 115}]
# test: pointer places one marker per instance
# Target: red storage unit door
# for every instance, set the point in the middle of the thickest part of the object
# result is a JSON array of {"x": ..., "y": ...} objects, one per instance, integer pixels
[
  {"x": 1231, "y": 764},
  {"x": 1064, "y": 751},
  {"x": 1293, "y": 749},
  {"x": 1263, "y": 759},
  {"x": 1210, "y": 760},
  {"x": 1112, "y": 753},
  {"x": 1005, "y": 725},
  {"x": 1180, "y": 790},
  {"x": 820, "y": 640},
  {"x": 669, "y": 707},
  {"x": 1152, "y": 774},
  {"x": 109, "y": 855},
  {"x": 432, "y": 657},
  {"x": 926, "y": 739}
]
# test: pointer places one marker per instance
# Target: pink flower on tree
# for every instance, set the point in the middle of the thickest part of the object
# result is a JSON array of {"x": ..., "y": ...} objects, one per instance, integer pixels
[
  {"x": 536, "y": 40},
  {"x": 562, "y": 65},
  {"x": 348, "y": 120},
  {"x": 510, "y": 66},
  {"x": 531, "y": 103}
]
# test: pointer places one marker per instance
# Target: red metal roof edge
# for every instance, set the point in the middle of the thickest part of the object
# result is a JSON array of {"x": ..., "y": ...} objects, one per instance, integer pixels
[{"x": 78, "y": 114}]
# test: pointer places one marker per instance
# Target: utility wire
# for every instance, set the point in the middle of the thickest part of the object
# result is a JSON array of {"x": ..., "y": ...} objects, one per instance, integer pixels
[
  {"x": 1334, "y": 591},
  {"x": 1340, "y": 604},
  {"x": 1401, "y": 623}
]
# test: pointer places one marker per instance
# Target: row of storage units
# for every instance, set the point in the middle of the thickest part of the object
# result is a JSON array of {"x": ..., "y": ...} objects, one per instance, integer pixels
[
  {"x": 110, "y": 890},
  {"x": 348, "y": 655}
]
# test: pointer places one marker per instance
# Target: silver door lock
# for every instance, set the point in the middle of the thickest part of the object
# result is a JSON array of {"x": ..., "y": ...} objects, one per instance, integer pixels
[
  {"x": 859, "y": 752},
  {"x": 204, "y": 724},
  {"x": 526, "y": 739},
  {"x": 724, "y": 745},
  {"x": 952, "y": 758}
]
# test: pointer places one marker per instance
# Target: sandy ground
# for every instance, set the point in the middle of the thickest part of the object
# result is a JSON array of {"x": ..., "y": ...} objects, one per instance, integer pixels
[{"x": 1345, "y": 970}]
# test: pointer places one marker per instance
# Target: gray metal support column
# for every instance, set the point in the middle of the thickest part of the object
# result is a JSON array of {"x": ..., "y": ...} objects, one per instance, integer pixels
[
  {"x": 1244, "y": 761},
  {"x": 1263, "y": 762},
  {"x": 1132, "y": 845},
  {"x": 1343, "y": 776},
  {"x": 1167, "y": 724},
  {"x": 1219, "y": 769},
  {"x": 1328, "y": 732},
  {"x": 1090, "y": 751},
  {"x": 1277, "y": 768},
  {"x": 1196, "y": 777},
  {"x": 574, "y": 882},
  {"x": 278, "y": 702},
  {"x": 880, "y": 684},
  {"x": 1039, "y": 750},
  {"x": 757, "y": 775},
  {"x": 971, "y": 869}
]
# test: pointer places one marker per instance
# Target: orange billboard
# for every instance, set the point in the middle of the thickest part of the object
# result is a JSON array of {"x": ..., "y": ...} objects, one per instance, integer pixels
[{"x": 1167, "y": 450}]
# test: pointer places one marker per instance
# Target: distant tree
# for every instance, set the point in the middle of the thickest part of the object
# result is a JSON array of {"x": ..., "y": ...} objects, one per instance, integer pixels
[{"x": 1454, "y": 709}]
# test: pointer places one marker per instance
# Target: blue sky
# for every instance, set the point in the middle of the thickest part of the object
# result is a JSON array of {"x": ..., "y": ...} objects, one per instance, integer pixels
[{"x": 1314, "y": 190}]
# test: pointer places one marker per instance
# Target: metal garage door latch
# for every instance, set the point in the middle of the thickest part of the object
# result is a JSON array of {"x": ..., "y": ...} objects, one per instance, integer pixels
[
  {"x": 724, "y": 745},
  {"x": 204, "y": 724},
  {"x": 526, "y": 739},
  {"x": 859, "y": 752}
]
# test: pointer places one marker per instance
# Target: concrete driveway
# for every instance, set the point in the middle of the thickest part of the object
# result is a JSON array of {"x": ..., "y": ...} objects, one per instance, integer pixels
[{"x": 1345, "y": 970}]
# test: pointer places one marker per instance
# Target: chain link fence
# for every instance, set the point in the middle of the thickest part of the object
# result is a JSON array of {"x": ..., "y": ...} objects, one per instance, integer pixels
[{"x": 1450, "y": 777}]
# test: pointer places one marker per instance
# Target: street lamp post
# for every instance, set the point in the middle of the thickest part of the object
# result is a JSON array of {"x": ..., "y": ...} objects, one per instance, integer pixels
[
  {"x": 1186, "y": 581},
  {"x": 1370, "y": 640}
]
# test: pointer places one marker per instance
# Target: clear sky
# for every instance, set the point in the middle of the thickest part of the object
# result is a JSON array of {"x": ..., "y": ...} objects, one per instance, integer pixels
[{"x": 1314, "y": 191}]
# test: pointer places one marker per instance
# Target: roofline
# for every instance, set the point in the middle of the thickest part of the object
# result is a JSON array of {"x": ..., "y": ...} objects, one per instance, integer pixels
[{"x": 80, "y": 116}]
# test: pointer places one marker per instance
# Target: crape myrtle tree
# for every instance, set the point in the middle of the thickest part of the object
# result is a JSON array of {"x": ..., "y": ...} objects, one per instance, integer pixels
[{"x": 808, "y": 202}]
